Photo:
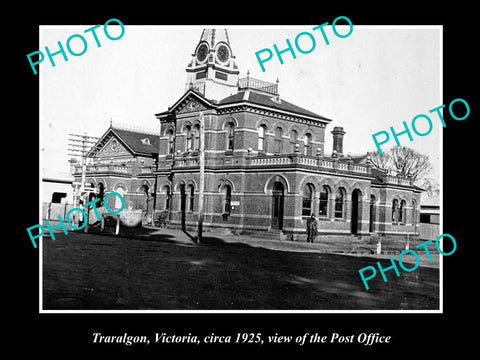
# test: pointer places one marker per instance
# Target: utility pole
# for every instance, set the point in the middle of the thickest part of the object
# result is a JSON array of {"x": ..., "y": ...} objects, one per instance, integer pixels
[
  {"x": 79, "y": 146},
  {"x": 202, "y": 178}
]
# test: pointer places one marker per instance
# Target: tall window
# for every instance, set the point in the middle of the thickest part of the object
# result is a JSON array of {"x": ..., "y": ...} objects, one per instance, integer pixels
[
  {"x": 189, "y": 142},
  {"x": 261, "y": 138},
  {"x": 293, "y": 139},
  {"x": 307, "y": 148},
  {"x": 323, "y": 201},
  {"x": 171, "y": 141},
  {"x": 196, "y": 142},
  {"x": 307, "y": 200},
  {"x": 402, "y": 212},
  {"x": 339, "y": 203},
  {"x": 277, "y": 147},
  {"x": 191, "y": 197},
  {"x": 395, "y": 211},
  {"x": 231, "y": 135},
  {"x": 228, "y": 198}
]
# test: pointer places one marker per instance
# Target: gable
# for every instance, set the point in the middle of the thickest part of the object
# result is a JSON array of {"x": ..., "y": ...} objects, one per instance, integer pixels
[
  {"x": 112, "y": 147},
  {"x": 191, "y": 101},
  {"x": 190, "y": 105},
  {"x": 125, "y": 142}
]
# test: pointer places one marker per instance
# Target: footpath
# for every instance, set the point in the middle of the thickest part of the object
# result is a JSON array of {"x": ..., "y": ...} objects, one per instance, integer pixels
[
  {"x": 334, "y": 244},
  {"x": 323, "y": 243}
]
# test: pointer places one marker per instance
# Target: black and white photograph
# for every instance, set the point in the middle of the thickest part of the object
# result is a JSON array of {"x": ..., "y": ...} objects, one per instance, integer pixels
[
  {"x": 249, "y": 183},
  {"x": 206, "y": 183}
]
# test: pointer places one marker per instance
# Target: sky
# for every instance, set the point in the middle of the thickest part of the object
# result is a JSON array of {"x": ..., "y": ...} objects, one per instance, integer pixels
[{"x": 377, "y": 77}]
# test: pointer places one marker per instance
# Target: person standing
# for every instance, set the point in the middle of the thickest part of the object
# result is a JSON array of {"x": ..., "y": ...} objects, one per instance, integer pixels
[{"x": 312, "y": 229}]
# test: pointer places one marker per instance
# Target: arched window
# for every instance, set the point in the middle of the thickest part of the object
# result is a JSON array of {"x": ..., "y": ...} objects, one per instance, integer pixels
[
  {"x": 339, "y": 203},
  {"x": 307, "y": 148},
  {"x": 189, "y": 135},
  {"x": 277, "y": 147},
  {"x": 261, "y": 138},
  {"x": 293, "y": 139},
  {"x": 395, "y": 211},
  {"x": 146, "y": 198},
  {"x": 191, "y": 197},
  {"x": 228, "y": 198},
  {"x": 196, "y": 140},
  {"x": 402, "y": 212},
  {"x": 118, "y": 201},
  {"x": 167, "y": 197},
  {"x": 323, "y": 201},
  {"x": 231, "y": 135},
  {"x": 307, "y": 200},
  {"x": 171, "y": 141}
]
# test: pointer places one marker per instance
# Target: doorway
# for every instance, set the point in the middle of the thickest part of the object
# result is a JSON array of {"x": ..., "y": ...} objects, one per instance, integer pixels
[
  {"x": 356, "y": 211},
  {"x": 277, "y": 206}
]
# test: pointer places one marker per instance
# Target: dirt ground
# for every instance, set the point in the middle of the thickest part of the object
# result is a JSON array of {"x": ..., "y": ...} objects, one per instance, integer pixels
[{"x": 170, "y": 272}]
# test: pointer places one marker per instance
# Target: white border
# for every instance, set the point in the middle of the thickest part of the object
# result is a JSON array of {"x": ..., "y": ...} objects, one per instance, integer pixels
[{"x": 260, "y": 27}]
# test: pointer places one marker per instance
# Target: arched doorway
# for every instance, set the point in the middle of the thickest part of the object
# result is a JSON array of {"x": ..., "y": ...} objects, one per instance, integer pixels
[
  {"x": 277, "y": 206},
  {"x": 356, "y": 211}
]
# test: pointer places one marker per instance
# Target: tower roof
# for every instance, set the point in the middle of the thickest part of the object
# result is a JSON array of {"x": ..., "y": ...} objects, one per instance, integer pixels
[{"x": 214, "y": 36}]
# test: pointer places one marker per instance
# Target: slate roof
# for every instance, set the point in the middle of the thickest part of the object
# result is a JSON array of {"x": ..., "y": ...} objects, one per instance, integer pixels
[
  {"x": 132, "y": 140},
  {"x": 268, "y": 100}
]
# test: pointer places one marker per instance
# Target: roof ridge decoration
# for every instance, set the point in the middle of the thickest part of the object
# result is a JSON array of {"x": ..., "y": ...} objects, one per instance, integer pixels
[{"x": 134, "y": 128}]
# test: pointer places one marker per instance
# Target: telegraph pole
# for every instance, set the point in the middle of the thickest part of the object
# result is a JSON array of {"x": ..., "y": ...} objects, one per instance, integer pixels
[
  {"x": 79, "y": 146},
  {"x": 202, "y": 178}
]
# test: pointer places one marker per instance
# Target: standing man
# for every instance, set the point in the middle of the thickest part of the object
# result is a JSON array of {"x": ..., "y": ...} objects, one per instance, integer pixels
[{"x": 312, "y": 230}]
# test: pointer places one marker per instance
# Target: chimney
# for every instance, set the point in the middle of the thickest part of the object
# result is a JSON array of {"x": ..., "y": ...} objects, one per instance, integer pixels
[{"x": 338, "y": 140}]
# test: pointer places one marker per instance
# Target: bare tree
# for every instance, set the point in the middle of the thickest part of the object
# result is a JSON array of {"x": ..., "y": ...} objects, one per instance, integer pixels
[
  {"x": 382, "y": 162},
  {"x": 404, "y": 161},
  {"x": 430, "y": 186},
  {"x": 408, "y": 162}
]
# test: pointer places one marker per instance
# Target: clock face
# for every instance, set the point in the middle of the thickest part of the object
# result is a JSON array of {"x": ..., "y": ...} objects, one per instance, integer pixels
[
  {"x": 202, "y": 52},
  {"x": 223, "y": 53}
]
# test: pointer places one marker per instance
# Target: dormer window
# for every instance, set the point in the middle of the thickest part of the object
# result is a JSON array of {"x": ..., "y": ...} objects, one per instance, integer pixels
[
  {"x": 276, "y": 99},
  {"x": 145, "y": 141}
]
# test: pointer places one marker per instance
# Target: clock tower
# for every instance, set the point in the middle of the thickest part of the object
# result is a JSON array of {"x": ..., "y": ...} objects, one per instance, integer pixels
[{"x": 213, "y": 71}]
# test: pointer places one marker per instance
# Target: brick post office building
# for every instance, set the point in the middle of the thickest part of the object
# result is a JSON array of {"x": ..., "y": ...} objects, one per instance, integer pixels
[{"x": 266, "y": 168}]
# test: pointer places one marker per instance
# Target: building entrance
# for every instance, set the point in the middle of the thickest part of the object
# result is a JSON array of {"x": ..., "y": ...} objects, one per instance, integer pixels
[
  {"x": 277, "y": 206},
  {"x": 356, "y": 211}
]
